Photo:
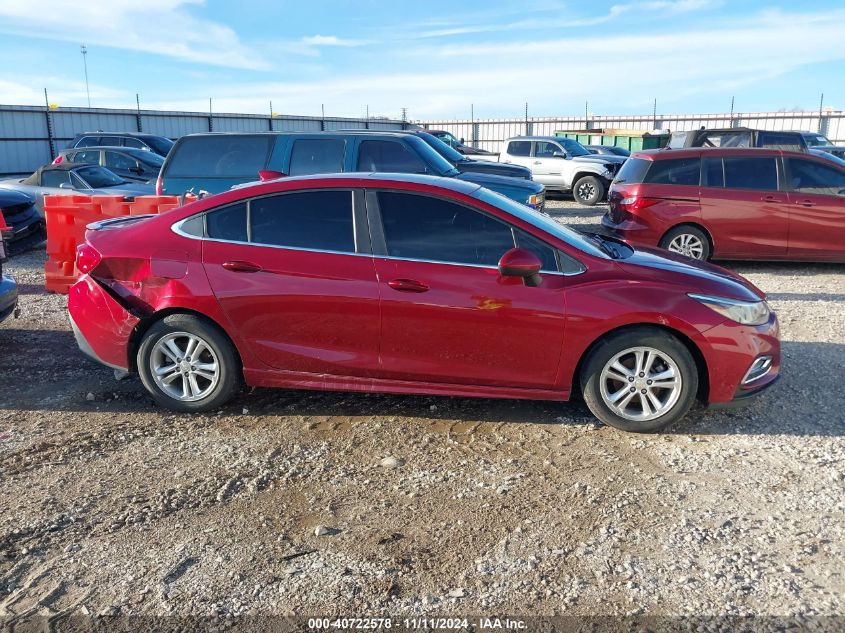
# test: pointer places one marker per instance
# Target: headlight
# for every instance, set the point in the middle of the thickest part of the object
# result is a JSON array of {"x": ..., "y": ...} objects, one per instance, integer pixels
[{"x": 745, "y": 312}]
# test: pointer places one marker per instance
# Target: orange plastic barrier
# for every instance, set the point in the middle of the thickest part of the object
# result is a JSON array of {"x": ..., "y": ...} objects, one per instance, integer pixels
[{"x": 67, "y": 217}]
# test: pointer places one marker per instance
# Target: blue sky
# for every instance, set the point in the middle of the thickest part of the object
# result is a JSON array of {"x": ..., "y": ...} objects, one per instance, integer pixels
[{"x": 433, "y": 57}]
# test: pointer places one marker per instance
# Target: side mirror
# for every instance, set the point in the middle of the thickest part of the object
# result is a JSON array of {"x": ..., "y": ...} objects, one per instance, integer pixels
[
  {"x": 461, "y": 140},
  {"x": 65, "y": 185},
  {"x": 519, "y": 262},
  {"x": 269, "y": 174},
  {"x": 559, "y": 155}
]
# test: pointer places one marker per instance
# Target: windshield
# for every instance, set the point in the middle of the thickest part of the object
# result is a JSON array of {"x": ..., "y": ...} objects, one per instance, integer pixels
[
  {"x": 97, "y": 177},
  {"x": 439, "y": 165},
  {"x": 542, "y": 221},
  {"x": 572, "y": 147},
  {"x": 159, "y": 144},
  {"x": 442, "y": 148},
  {"x": 148, "y": 158},
  {"x": 817, "y": 140}
]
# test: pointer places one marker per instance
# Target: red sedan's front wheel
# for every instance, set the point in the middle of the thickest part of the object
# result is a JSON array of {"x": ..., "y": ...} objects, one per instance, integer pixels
[{"x": 640, "y": 380}]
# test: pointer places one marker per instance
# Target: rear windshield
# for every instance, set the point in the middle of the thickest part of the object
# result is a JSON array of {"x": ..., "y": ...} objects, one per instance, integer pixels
[
  {"x": 159, "y": 144},
  {"x": 633, "y": 171},
  {"x": 224, "y": 156}
]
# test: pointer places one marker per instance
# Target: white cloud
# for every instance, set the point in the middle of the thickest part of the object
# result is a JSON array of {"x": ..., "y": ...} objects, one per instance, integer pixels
[
  {"x": 161, "y": 27},
  {"x": 331, "y": 40}
]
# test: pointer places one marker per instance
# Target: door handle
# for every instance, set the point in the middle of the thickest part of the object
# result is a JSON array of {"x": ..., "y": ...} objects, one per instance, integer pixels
[
  {"x": 407, "y": 285},
  {"x": 771, "y": 199},
  {"x": 241, "y": 267},
  {"x": 807, "y": 203},
  {"x": 538, "y": 162}
]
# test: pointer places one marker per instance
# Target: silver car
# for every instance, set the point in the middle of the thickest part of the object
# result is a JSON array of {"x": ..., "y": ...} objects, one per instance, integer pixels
[{"x": 67, "y": 179}]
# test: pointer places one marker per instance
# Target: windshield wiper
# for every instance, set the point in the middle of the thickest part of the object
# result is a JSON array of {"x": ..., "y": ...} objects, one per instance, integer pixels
[{"x": 606, "y": 246}]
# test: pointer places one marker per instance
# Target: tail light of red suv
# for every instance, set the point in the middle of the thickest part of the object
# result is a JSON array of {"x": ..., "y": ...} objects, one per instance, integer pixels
[{"x": 623, "y": 207}]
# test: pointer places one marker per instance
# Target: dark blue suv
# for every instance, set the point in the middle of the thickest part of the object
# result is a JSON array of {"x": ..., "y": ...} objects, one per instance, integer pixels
[{"x": 216, "y": 162}]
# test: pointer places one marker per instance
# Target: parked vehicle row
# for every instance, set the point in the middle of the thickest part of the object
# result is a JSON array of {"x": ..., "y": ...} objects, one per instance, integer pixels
[
  {"x": 65, "y": 179},
  {"x": 216, "y": 162},
  {"x": 563, "y": 165},
  {"x": 412, "y": 284},
  {"x": 134, "y": 165},
  {"x": 715, "y": 203}
]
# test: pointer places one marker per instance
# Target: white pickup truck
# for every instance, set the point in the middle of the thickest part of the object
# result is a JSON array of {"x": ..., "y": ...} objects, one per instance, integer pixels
[{"x": 563, "y": 164}]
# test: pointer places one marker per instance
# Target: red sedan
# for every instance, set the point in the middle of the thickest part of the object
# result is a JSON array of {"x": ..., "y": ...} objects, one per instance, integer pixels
[
  {"x": 730, "y": 203},
  {"x": 403, "y": 284}
]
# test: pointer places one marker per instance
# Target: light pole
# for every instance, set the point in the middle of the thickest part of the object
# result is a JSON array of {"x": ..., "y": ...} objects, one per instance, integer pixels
[{"x": 84, "y": 50}]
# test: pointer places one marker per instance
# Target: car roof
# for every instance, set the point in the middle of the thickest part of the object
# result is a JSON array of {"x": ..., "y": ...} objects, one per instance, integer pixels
[
  {"x": 539, "y": 138},
  {"x": 453, "y": 184},
  {"x": 305, "y": 133},
  {"x": 694, "y": 152},
  {"x": 101, "y": 133}
]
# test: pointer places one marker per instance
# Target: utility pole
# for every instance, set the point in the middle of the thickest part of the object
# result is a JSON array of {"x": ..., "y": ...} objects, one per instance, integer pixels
[{"x": 84, "y": 50}]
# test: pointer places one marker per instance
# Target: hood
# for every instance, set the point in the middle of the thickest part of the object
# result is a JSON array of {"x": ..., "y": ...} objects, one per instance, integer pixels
[
  {"x": 601, "y": 158},
  {"x": 10, "y": 197},
  {"x": 466, "y": 149},
  {"x": 489, "y": 167},
  {"x": 500, "y": 183},
  {"x": 700, "y": 277}
]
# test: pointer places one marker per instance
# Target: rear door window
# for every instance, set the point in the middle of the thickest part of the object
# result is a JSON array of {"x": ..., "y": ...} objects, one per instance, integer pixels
[
  {"x": 811, "y": 177},
  {"x": 131, "y": 141},
  {"x": 316, "y": 156},
  {"x": 679, "y": 171},
  {"x": 427, "y": 228},
  {"x": 546, "y": 149},
  {"x": 228, "y": 223},
  {"x": 388, "y": 156},
  {"x": 751, "y": 172},
  {"x": 224, "y": 156},
  {"x": 519, "y": 148},
  {"x": 111, "y": 141},
  {"x": 313, "y": 220},
  {"x": 89, "y": 157}
]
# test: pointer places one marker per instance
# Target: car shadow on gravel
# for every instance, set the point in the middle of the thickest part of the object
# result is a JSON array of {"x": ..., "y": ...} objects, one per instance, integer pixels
[{"x": 807, "y": 401}]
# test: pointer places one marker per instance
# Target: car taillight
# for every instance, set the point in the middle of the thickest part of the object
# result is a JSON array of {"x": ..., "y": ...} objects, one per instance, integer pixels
[
  {"x": 58, "y": 159},
  {"x": 159, "y": 186},
  {"x": 87, "y": 258}
]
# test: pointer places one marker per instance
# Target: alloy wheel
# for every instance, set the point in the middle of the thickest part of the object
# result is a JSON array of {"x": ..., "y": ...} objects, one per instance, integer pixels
[
  {"x": 184, "y": 366},
  {"x": 688, "y": 245},
  {"x": 640, "y": 383},
  {"x": 586, "y": 191}
]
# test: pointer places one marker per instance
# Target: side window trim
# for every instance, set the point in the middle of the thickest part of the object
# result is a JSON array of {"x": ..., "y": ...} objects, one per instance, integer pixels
[{"x": 360, "y": 230}]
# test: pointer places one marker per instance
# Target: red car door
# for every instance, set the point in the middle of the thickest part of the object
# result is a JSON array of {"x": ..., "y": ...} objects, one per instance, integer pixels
[
  {"x": 294, "y": 283},
  {"x": 743, "y": 208},
  {"x": 447, "y": 313},
  {"x": 816, "y": 210}
]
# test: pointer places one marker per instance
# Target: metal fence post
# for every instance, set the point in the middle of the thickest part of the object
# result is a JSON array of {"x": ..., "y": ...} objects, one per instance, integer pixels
[
  {"x": 49, "y": 126},
  {"x": 138, "y": 111}
]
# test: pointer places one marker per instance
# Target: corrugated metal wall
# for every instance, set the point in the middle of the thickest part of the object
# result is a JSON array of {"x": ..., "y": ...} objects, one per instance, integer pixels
[
  {"x": 31, "y": 136},
  {"x": 489, "y": 133}
]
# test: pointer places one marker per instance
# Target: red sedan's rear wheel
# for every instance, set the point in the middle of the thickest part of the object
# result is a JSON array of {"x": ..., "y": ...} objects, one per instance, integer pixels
[
  {"x": 640, "y": 380},
  {"x": 188, "y": 364}
]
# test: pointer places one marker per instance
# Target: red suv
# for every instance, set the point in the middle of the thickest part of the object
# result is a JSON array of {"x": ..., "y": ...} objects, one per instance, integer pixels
[
  {"x": 404, "y": 284},
  {"x": 731, "y": 204}
]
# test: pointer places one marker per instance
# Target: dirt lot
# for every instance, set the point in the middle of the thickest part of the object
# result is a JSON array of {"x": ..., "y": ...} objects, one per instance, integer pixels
[{"x": 111, "y": 505}]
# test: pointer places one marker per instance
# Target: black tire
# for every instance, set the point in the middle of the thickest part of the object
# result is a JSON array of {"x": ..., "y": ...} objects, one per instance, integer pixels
[
  {"x": 698, "y": 241},
  {"x": 667, "y": 346},
  {"x": 221, "y": 352},
  {"x": 588, "y": 190}
]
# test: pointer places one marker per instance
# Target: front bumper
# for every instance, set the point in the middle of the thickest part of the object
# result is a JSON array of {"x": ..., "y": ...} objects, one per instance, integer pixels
[
  {"x": 8, "y": 297},
  {"x": 732, "y": 349},
  {"x": 103, "y": 327}
]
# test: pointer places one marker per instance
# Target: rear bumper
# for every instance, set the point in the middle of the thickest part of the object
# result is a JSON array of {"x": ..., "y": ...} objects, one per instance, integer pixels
[
  {"x": 8, "y": 297},
  {"x": 632, "y": 232},
  {"x": 103, "y": 328}
]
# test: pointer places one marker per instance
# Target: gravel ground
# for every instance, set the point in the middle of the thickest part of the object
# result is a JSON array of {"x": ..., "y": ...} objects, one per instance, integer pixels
[{"x": 327, "y": 503}]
